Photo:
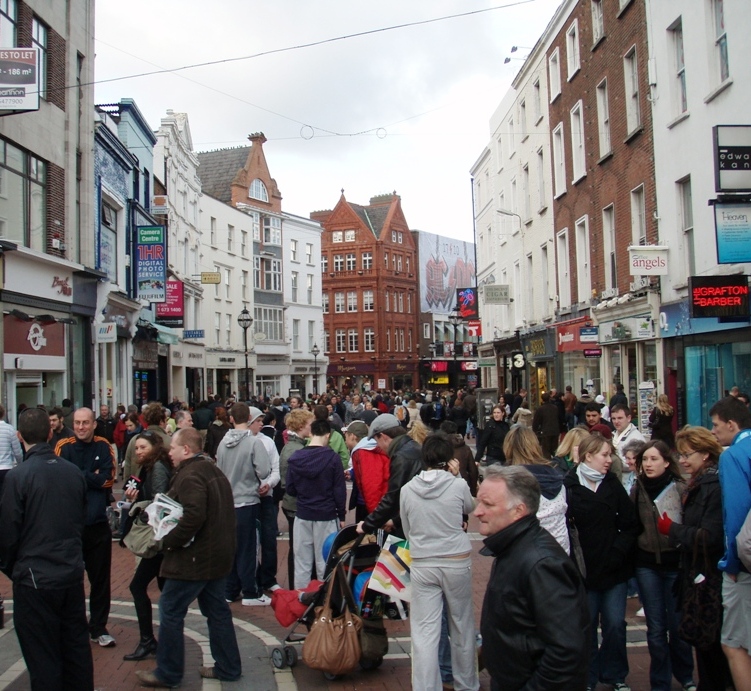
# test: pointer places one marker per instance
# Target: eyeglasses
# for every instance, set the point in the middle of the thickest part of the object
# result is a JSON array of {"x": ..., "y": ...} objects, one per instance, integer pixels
[{"x": 687, "y": 455}]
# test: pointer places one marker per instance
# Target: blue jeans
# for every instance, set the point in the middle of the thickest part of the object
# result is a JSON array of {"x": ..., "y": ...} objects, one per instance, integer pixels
[
  {"x": 242, "y": 578},
  {"x": 609, "y": 664},
  {"x": 444, "y": 648},
  {"x": 669, "y": 655},
  {"x": 173, "y": 606},
  {"x": 269, "y": 528}
]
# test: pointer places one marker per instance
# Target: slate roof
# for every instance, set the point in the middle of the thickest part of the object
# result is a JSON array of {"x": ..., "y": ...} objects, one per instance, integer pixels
[
  {"x": 372, "y": 216},
  {"x": 219, "y": 168}
]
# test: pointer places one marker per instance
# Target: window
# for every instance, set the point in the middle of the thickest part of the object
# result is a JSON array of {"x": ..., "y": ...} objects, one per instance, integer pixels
[
  {"x": 39, "y": 40},
  {"x": 227, "y": 329},
  {"x": 409, "y": 303},
  {"x": 559, "y": 162},
  {"x": 23, "y": 197},
  {"x": 386, "y": 296},
  {"x": 341, "y": 345},
  {"x": 349, "y": 236},
  {"x": 598, "y": 22},
  {"x": 609, "y": 247},
  {"x": 536, "y": 101},
  {"x": 426, "y": 330},
  {"x": 309, "y": 252},
  {"x": 337, "y": 236},
  {"x": 401, "y": 302},
  {"x": 554, "y": 72},
  {"x": 583, "y": 272},
  {"x": 295, "y": 334},
  {"x": 367, "y": 261},
  {"x": 603, "y": 118},
  {"x": 393, "y": 236},
  {"x": 499, "y": 151},
  {"x": 352, "y": 301},
  {"x": 311, "y": 334},
  {"x": 518, "y": 307},
  {"x": 541, "y": 177},
  {"x": 216, "y": 270},
  {"x": 217, "y": 328},
  {"x": 272, "y": 230},
  {"x": 526, "y": 196},
  {"x": 631, "y": 79},
  {"x": 351, "y": 262},
  {"x": 212, "y": 237},
  {"x": 8, "y": 23},
  {"x": 244, "y": 285},
  {"x": 309, "y": 287},
  {"x": 399, "y": 238},
  {"x": 295, "y": 279},
  {"x": 108, "y": 242},
  {"x": 227, "y": 283},
  {"x": 325, "y": 302},
  {"x": 687, "y": 223},
  {"x": 244, "y": 243},
  {"x": 368, "y": 303},
  {"x": 578, "y": 154},
  {"x": 270, "y": 321},
  {"x": 353, "y": 339},
  {"x": 293, "y": 250},
  {"x": 258, "y": 191},
  {"x": 564, "y": 279},
  {"x": 679, "y": 65},
  {"x": 388, "y": 340},
  {"x": 511, "y": 138},
  {"x": 339, "y": 302},
  {"x": 386, "y": 259},
  {"x": 523, "y": 120},
  {"x": 721, "y": 39},
  {"x": 324, "y": 264},
  {"x": 230, "y": 238},
  {"x": 369, "y": 339},
  {"x": 399, "y": 262},
  {"x": 267, "y": 274},
  {"x": 573, "y": 60},
  {"x": 255, "y": 222},
  {"x": 638, "y": 220},
  {"x": 338, "y": 263},
  {"x": 326, "y": 342},
  {"x": 544, "y": 277},
  {"x": 529, "y": 294}
]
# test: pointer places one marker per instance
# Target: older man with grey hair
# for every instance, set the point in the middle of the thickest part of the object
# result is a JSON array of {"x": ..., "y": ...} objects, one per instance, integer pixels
[{"x": 534, "y": 616}]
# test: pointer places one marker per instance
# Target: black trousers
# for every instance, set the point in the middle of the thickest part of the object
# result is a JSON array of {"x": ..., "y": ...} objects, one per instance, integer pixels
[
  {"x": 146, "y": 571},
  {"x": 97, "y": 557},
  {"x": 52, "y": 631},
  {"x": 291, "y": 552}
]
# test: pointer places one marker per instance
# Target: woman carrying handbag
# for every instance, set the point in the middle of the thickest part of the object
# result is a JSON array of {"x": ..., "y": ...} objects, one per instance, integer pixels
[{"x": 701, "y": 529}]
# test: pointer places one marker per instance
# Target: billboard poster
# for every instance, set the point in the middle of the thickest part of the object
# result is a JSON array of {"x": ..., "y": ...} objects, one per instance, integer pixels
[
  {"x": 18, "y": 79},
  {"x": 151, "y": 263},
  {"x": 466, "y": 300},
  {"x": 733, "y": 231},
  {"x": 447, "y": 265},
  {"x": 171, "y": 312}
]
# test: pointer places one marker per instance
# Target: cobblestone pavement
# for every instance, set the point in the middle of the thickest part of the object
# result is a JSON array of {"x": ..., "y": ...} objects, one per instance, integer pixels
[{"x": 258, "y": 632}]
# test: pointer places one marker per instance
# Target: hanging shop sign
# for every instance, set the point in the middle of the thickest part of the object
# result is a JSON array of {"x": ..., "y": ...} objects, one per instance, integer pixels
[
  {"x": 151, "y": 263},
  {"x": 627, "y": 329},
  {"x": 648, "y": 260},
  {"x": 496, "y": 294},
  {"x": 732, "y": 158},
  {"x": 732, "y": 224},
  {"x": 568, "y": 335},
  {"x": 106, "y": 333},
  {"x": 171, "y": 312},
  {"x": 718, "y": 296},
  {"x": 466, "y": 299}
]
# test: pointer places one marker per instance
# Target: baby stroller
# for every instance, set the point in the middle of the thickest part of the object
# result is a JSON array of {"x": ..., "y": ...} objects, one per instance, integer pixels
[{"x": 358, "y": 555}]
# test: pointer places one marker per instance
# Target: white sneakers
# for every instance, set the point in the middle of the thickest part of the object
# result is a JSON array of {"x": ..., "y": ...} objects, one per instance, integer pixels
[
  {"x": 256, "y": 601},
  {"x": 105, "y": 640}
]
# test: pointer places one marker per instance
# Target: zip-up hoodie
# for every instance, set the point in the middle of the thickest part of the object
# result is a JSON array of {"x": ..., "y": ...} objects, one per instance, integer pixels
[
  {"x": 316, "y": 478},
  {"x": 245, "y": 461},
  {"x": 431, "y": 506},
  {"x": 553, "y": 504}
]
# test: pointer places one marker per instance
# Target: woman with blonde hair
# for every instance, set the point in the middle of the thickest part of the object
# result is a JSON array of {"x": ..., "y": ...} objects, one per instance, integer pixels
[
  {"x": 521, "y": 447},
  {"x": 419, "y": 431},
  {"x": 567, "y": 453},
  {"x": 661, "y": 421}
]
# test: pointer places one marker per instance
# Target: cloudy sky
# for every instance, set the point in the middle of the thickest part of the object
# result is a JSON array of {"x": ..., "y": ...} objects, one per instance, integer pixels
[{"x": 405, "y": 109}]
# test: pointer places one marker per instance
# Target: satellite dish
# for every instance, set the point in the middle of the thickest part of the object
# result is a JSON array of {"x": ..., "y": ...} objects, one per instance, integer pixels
[{"x": 259, "y": 336}]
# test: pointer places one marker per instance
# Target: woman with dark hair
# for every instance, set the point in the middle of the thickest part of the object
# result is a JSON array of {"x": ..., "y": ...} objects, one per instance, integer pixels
[
  {"x": 659, "y": 488},
  {"x": 154, "y": 472},
  {"x": 661, "y": 421},
  {"x": 216, "y": 431},
  {"x": 607, "y": 527},
  {"x": 490, "y": 442},
  {"x": 702, "y": 520}
]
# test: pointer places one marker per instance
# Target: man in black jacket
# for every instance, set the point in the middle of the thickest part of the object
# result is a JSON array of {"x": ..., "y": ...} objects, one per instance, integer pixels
[
  {"x": 406, "y": 462},
  {"x": 534, "y": 616},
  {"x": 546, "y": 425},
  {"x": 42, "y": 512}
]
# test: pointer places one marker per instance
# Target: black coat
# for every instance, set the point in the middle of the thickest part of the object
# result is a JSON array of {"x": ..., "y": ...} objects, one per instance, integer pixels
[
  {"x": 546, "y": 422},
  {"x": 491, "y": 441},
  {"x": 608, "y": 528},
  {"x": 535, "y": 628},
  {"x": 662, "y": 427}
]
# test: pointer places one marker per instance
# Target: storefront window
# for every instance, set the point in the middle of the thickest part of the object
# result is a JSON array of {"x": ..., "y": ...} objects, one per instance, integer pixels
[
  {"x": 616, "y": 367},
  {"x": 650, "y": 362}
]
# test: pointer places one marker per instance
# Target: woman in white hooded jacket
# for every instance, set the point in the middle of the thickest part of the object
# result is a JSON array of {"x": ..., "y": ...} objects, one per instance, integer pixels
[{"x": 432, "y": 505}]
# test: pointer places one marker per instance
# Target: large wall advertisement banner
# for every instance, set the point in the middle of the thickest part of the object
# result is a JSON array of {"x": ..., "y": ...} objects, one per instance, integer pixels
[
  {"x": 447, "y": 265},
  {"x": 151, "y": 263}
]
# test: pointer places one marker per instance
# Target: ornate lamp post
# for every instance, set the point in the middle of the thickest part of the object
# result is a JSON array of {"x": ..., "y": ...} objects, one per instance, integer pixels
[
  {"x": 455, "y": 318},
  {"x": 315, "y": 351},
  {"x": 245, "y": 321}
]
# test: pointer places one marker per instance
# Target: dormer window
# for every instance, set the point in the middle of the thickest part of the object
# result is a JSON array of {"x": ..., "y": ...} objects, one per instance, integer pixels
[{"x": 258, "y": 191}]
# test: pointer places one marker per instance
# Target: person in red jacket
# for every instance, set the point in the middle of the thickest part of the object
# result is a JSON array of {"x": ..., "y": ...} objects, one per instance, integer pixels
[{"x": 371, "y": 466}]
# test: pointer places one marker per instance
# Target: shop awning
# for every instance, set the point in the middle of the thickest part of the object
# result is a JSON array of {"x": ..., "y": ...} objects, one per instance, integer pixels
[{"x": 165, "y": 335}]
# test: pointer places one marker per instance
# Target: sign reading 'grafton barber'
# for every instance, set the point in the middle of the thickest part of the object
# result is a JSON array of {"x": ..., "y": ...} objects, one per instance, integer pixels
[{"x": 718, "y": 296}]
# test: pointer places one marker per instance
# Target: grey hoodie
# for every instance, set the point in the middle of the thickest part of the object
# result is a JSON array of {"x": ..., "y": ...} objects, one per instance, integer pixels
[
  {"x": 245, "y": 461},
  {"x": 431, "y": 506}
]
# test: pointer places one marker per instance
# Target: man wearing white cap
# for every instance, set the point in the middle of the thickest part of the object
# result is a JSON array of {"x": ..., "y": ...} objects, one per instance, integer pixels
[{"x": 405, "y": 463}]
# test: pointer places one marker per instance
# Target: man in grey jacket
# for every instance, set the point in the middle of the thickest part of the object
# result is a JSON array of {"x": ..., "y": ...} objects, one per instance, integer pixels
[{"x": 243, "y": 458}]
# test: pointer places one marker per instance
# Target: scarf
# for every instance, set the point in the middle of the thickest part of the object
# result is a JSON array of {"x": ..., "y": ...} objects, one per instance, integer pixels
[
  {"x": 654, "y": 485},
  {"x": 586, "y": 473},
  {"x": 693, "y": 483}
]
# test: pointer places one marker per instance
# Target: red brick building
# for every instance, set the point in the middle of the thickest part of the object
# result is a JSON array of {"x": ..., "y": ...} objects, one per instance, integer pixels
[{"x": 370, "y": 295}]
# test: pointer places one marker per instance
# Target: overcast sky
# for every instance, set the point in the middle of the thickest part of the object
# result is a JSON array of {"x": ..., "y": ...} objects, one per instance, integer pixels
[{"x": 423, "y": 95}]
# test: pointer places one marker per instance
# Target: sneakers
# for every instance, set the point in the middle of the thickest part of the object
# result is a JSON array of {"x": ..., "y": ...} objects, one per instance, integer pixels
[
  {"x": 689, "y": 686},
  {"x": 256, "y": 601},
  {"x": 621, "y": 687},
  {"x": 105, "y": 640},
  {"x": 640, "y": 613},
  {"x": 274, "y": 587}
]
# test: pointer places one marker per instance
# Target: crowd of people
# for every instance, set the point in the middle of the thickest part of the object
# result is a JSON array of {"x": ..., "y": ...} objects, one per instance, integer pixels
[{"x": 578, "y": 510}]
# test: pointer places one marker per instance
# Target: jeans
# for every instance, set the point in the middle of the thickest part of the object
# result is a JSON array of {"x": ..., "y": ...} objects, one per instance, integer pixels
[
  {"x": 669, "y": 655},
  {"x": 269, "y": 528},
  {"x": 173, "y": 606},
  {"x": 444, "y": 648},
  {"x": 242, "y": 578},
  {"x": 609, "y": 664}
]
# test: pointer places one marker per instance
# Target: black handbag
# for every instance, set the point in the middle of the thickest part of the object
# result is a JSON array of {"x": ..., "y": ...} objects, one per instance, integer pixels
[
  {"x": 701, "y": 618},
  {"x": 577, "y": 554}
]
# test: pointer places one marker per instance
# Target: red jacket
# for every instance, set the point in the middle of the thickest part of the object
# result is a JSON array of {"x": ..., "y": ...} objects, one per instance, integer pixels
[
  {"x": 119, "y": 433},
  {"x": 371, "y": 468}
]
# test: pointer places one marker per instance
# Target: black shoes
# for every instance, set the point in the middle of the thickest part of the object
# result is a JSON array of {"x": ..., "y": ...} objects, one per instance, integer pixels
[{"x": 146, "y": 647}]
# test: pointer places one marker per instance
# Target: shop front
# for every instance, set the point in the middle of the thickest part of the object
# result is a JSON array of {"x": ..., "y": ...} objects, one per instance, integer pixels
[
  {"x": 145, "y": 370},
  {"x": 539, "y": 348},
  {"x": 114, "y": 351},
  {"x": 225, "y": 373},
  {"x": 578, "y": 355},
  {"x": 510, "y": 364},
  {"x": 188, "y": 369}
]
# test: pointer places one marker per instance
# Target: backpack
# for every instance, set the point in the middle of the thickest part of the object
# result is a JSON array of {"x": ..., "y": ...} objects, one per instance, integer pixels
[{"x": 438, "y": 411}]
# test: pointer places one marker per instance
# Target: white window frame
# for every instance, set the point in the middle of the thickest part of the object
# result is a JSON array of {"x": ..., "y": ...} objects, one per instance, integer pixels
[
  {"x": 353, "y": 341},
  {"x": 563, "y": 268},
  {"x": 631, "y": 84},
  {"x": 294, "y": 280},
  {"x": 309, "y": 253},
  {"x": 603, "y": 119},
  {"x": 638, "y": 216},
  {"x": 351, "y": 301},
  {"x": 367, "y": 261},
  {"x": 598, "y": 21},
  {"x": 368, "y": 301},
  {"x": 325, "y": 302},
  {"x": 686, "y": 221},
  {"x": 293, "y": 250},
  {"x": 573, "y": 51},
  {"x": 339, "y": 302},
  {"x": 541, "y": 191},
  {"x": 609, "y": 247},
  {"x": 309, "y": 287},
  {"x": 369, "y": 339},
  {"x": 349, "y": 236},
  {"x": 680, "y": 97},
  {"x": 583, "y": 260},
  {"x": 720, "y": 40},
  {"x": 559, "y": 161},
  {"x": 578, "y": 151},
  {"x": 337, "y": 236},
  {"x": 341, "y": 341},
  {"x": 554, "y": 74}
]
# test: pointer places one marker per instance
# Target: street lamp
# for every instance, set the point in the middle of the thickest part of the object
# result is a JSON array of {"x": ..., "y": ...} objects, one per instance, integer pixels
[
  {"x": 455, "y": 317},
  {"x": 506, "y": 212},
  {"x": 245, "y": 320},
  {"x": 315, "y": 351}
]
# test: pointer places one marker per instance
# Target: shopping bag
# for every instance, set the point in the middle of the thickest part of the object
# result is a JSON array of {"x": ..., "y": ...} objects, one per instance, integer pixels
[
  {"x": 164, "y": 513},
  {"x": 140, "y": 538},
  {"x": 391, "y": 573}
]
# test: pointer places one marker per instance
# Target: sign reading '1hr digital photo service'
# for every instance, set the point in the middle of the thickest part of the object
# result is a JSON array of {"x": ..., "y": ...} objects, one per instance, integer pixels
[{"x": 151, "y": 263}]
